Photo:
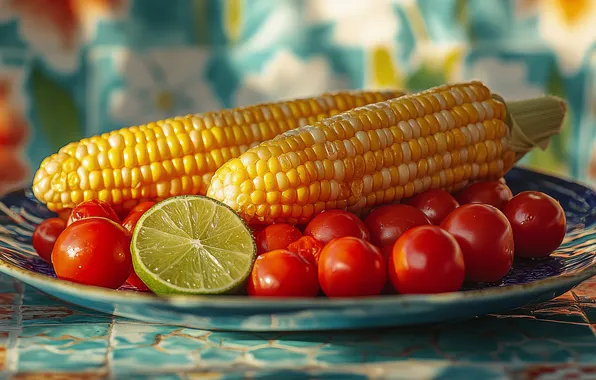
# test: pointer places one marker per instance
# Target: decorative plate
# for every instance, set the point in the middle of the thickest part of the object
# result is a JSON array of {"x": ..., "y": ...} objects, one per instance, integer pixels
[{"x": 528, "y": 282}]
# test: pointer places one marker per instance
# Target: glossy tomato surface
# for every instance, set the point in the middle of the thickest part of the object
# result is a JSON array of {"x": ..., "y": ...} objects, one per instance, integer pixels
[
  {"x": 334, "y": 224},
  {"x": 93, "y": 251},
  {"x": 485, "y": 238},
  {"x": 538, "y": 222},
  {"x": 351, "y": 267},
  {"x": 276, "y": 236},
  {"x": 307, "y": 245},
  {"x": 93, "y": 208},
  {"x": 436, "y": 204},
  {"x": 142, "y": 207},
  {"x": 282, "y": 273},
  {"x": 129, "y": 223},
  {"x": 387, "y": 223},
  {"x": 45, "y": 235},
  {"x": 494, "y": 193},
  {"x": 426, "y": 260}
]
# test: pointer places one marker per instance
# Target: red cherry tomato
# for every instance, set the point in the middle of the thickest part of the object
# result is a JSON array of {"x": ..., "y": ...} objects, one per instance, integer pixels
[
  {"x": 333, "y": 224},
  {"x": 93, "y": 208},
  {"x": 485, "y": 238},
  {"x": 142, "y": 207},
  {"x": 538, "y": 222},
  {"x": 387, "y": 223},
  {"x": 64, "y": 214},
  {"x": 386, "y": 251},
  {"x": 351, "y": 267},
  {"x": 45, "y": 235},
  {"x": 129, "y": 224},
  {"x": 256, "y": 230},
  {"x": 494, "y": 193},
  {"x": 131, "y": 220},
  {"x": 277, "y": 236},
  {"x": 93, "y": 251},
  {"x": 135, "y": 281},
  {"x": 426, "y": 260},
  {"x": 307, "y": 245},
  {"x": 436, "y": 204},
  {"x": 282, "y": 273}
]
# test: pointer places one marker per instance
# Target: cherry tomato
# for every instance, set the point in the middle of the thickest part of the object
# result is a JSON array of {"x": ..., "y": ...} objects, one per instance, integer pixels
[
  {"x": 436, "y": 204},
  {"x": 131, "y": 221},
  {"x": 426, "y": 260},
  {"x": 129, "y": 224},
  {"x": 333, "y": 224},
  {"x": 387, "y": 223},
  {"x": 485, "y": 238},
  {"x": 93, "y": 208},
  {"x": 93, "y": 251},
  {"x": 142, "y": 207},
  {"x": 277, "y": 236},
  {"x": 538, "y": 222},
  {"x": 256, "y": 230},
  {"x": 135, "y": 281},
  {"x": 386, "y": 251},
  {"x": 494, "y": 193},
  {"x": 45, "y": 235},
  {"x": 64, "y": 214},
  {"x": 307, "y": 245},
  {"x": 282, "y": 273},
  {"x": 351, "y": 267}
]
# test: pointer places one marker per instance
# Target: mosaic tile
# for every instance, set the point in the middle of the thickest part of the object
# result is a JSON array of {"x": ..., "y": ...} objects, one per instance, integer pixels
[
  {"x": 60, "y": 376},
  {"x": 586, "y": 291},
  {"x": 66, "y": 347},
  {"x": 589, "y": 310},
  {"x": 3, "y": 348},
  {"x": 50, "y": 315}
]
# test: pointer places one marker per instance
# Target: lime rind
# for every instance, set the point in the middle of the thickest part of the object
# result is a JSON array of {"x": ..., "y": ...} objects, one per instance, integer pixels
[{"x": 192, "y": 244}]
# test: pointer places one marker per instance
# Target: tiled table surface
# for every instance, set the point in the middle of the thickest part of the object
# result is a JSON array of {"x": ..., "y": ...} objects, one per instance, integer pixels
[{"x": 43, "y": 338}]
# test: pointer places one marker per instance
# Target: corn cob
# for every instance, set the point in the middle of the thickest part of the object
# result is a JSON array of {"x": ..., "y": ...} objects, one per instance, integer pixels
[
  {"x": 175, "y": 156},
  {"x": 444, "y": 137}
]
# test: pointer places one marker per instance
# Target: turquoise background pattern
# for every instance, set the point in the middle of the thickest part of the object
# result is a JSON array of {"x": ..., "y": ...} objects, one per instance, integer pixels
[
  {"x": 81, "y": 67},
  {"x": 43, "y": 337}
]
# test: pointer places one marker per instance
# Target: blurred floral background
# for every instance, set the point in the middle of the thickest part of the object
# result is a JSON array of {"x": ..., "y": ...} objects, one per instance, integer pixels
[{"x": 73, "y": 68}]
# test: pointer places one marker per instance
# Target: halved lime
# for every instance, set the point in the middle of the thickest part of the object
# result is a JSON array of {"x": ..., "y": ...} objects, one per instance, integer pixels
[{"x": 192, "y": 244}]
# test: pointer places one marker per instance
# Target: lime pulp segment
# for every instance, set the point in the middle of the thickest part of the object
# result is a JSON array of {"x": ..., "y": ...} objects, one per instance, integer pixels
[{"x": 192, "y": 245}]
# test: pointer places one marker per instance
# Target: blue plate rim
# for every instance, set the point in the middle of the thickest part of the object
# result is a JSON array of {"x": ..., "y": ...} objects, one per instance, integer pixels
[{"x": 222, "y": 301}]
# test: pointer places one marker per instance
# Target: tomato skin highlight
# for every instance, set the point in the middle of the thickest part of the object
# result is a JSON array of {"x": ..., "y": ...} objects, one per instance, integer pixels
[
  {"x": 387, "y": 223},
  {"x": 436, "y": 204},
  {"x": 351, "y": 267},
  {"x": 426, "y": 260},
  {"x": 333, "y": 224},
  {"x": 307, "y": 245},
  {"x": 93, "y": 251},
  {"x": 93, "y": 208},
  {"x": 131, "y": 221},
  {"x": 485, "y": 238},
  {"x": 538, "y": 222},
  {"x": 276, "y": 236},
  {"x": 282, "y": 273},
  {"x": 45, "y": 235},
  {"x": 494, "y": 193},
  {"x": 142, "y": 207}
]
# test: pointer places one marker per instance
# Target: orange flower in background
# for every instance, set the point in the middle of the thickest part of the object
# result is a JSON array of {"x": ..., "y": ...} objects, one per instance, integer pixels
[
  {"x": 55, "y": 28},
  {"x": 13, "y": 134}
]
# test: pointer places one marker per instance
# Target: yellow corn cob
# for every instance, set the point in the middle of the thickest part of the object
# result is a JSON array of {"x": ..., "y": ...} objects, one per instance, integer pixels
[
  {"x": 175, "y": 156},
  {"x": 444, "y": 137}
]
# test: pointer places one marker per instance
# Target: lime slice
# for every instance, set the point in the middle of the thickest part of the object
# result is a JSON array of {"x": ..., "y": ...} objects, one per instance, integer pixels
[{"x": 192, "y": 245}]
